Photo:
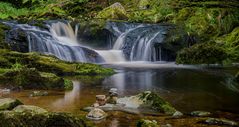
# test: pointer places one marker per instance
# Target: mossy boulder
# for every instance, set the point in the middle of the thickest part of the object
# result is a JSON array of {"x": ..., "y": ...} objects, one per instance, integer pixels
[
  {"x": 115, "y": 11},
  {"x": 30, "y": 78},
  {"x": 29, "y": 116},
  {"x": 147, "y": 123},
  {"x": 205, "y": 53},
  {"x": 155, "y": 102},
  {"x": 9, "y": 103}
]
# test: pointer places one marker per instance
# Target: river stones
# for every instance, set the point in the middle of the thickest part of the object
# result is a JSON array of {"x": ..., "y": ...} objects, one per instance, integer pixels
[
  {"x": 96, "y": 114},
  {"x": 177, "y": 114},
  {"x": 200, "y": 113},
  {"x": 9, "y": 103},
  {"x": 220, "y": 121},
  {"x": 113, "y": 96}
]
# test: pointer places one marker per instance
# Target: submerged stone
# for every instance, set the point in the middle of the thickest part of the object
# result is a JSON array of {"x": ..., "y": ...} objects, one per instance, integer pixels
[
  {"x": 38, "y": 93},
  {"x": 220, "y": 121},
  {"x": 200, "y": 113},
  {"x": 9, "y": 103},
  {"x": 96, "y": 114}
]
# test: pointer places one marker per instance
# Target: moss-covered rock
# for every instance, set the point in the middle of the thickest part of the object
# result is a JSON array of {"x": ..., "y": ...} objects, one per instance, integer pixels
[
  {"x": 68, "y": 84},
  {"x": 154, "y": 101},
  {"x": 147, "y": 123},
  {"x": 3, "y": 44},
  {"x": 115, "y": 11},
  {"x": 204, "y": 53},
  {"x": 9, "y": 103},
  {"x": 29, "y": 116}
]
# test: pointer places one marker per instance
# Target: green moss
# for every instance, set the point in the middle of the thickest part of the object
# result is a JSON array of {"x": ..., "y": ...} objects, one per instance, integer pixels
[
  {"x": 204, "y": 53},
  {"x": 156, "y": 102},
  {"x": 68, "y": 84},
  {"x": 3, "y": 28},
  {"x": 9, "y": 104},
  {"x": 147, "y": 123},
  {"x": 115, "y": 11}
]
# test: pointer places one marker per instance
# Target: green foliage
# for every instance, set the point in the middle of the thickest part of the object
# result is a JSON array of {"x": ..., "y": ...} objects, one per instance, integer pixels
[
  {"x": 8, "y": 11},
  {"x": 204, "y": 53}
]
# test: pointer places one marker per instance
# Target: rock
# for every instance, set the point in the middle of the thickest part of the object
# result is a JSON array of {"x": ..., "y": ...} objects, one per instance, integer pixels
[
  {"x": 113, "y": 91},
  {"x": 144, "y": 4},
  {"x": 39, "y": 119},
  {"x": 154, "y": 101},
  {"x": 29, "y": 109},
  {"x": 115, "y": 11},
  {"x": 112, "y": 100},
  {"x": 147, "y": 123},
  {"x": 9, "y": 104},
  {"x": 219, "y": 121},
  {"x": 5, "y": 91},
  {"x": 167, "y": 125},
  {"x": 177, "y": 114},
  {"x": 96, "y": 114},
  {"x": 38, "y": 93},
  {"x": 101, "y": 99},
  {"x": 200, "y": 113}
]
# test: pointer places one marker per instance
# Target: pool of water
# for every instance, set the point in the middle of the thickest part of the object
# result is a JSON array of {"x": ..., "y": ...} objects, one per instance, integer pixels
[{"x": 188, "y": 88}]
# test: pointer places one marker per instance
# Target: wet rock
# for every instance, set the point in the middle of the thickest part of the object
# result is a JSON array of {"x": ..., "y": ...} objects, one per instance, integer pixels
[
  {"x": 96, "y": 114},
  {"x": 9, "y": 104},
  {"x": 29, "y": 109},
  {"x": 219, "y": 121},
  {"x": 177, "y": 114},
  {"x": 147, "y": 123},
  {"x": 167, "y": 125},
  {"x": 101, "y": 99},
  {"x": 113, "y": 96},
  {"x": 38, "y": 93},
  {"x": 115, "y": 11},
  {"x": 154, "y": 101},
  {"x": 200, "y": 113}
]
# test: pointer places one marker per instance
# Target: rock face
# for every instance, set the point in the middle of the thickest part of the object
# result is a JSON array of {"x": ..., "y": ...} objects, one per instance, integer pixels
[
  {"x": 115, "y": 11},
  {"x": 8, "y": 103}
]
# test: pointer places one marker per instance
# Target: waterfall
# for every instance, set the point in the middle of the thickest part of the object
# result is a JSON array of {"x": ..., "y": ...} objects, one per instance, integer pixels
[
  {"x": 137, "y": 41},
  {"x": 112, "y": 56},
  {"x": 59, "y": 40}
]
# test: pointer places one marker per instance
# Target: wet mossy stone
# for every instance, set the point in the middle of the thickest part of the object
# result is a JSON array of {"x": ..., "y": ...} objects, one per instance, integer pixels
[
  {"x": 115, "y": 11},
  {"x": 147, "y": 123},
  {"x": 204, "y": 53},
  {"x": 155, "y": 102},
  {"x": 9, "y": 103},
  {"x": 32, "y": 116},
  {"x": 3, "y": 29}
]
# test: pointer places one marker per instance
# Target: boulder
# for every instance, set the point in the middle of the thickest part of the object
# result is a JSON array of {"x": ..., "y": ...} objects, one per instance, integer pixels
[
  {"x": 32, "y": 116},
  {"x": 96, "y": 114},
  {"x": 154, "y": 101},
  {"x": 147, "y": 123},
  {"x": 200, "y": 113},
  {"x": 9, "y": 104},
  {"x": 115, "y": 11},
  {"x": 29, "y": 109},
  {"x": 220, "y": 121}
]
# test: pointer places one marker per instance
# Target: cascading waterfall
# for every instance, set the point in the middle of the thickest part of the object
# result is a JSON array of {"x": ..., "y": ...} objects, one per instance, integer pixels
[
  {"x": 137, "y": 41},
  {"x": 60, "y": 40}
]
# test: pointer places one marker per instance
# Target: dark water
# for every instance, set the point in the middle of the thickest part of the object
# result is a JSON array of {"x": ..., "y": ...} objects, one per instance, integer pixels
[{"x": 187, "y": 88}]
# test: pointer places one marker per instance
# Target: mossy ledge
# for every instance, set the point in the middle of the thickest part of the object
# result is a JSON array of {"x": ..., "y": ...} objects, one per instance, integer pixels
[
  {"x": 33, "y": 70},
  {"x": 28, "y": 116}
]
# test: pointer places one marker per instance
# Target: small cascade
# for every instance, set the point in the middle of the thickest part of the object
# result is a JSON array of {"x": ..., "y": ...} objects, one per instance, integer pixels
[
  {"x": 137, "y": 41},
  {"x": 60, "y": 40},
  {"x": 112, "y": 56}
]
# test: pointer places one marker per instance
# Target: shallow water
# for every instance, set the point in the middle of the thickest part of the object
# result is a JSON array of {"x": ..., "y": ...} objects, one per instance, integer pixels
[{"x": 187, "y": 88}]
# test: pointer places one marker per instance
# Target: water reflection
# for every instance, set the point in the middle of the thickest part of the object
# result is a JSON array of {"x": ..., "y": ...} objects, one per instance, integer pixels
[{"x": 70, "y": 98}]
